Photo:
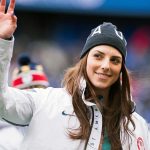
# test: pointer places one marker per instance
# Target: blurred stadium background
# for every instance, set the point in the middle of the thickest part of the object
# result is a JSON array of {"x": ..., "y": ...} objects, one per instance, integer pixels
[{"x": 54, "y": 32}]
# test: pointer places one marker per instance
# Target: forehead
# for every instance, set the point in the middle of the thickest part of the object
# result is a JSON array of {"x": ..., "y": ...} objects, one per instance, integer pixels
[{"x": 106, "y": 49}]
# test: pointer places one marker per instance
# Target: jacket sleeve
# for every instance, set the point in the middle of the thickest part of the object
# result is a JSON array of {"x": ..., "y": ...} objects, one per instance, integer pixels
[
  {"x": 149, "y": 134},
  {"x": 16, "y": 105}
]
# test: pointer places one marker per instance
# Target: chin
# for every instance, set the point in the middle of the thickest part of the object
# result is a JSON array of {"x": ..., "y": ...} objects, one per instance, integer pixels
[{"x": 101, "y": 87}]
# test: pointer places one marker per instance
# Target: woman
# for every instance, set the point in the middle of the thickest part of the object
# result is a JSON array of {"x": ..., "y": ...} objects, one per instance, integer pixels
[{"x": 93, "y": 110}]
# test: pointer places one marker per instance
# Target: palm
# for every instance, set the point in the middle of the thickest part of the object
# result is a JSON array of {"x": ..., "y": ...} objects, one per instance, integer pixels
[{"x": 7, "y": 20}]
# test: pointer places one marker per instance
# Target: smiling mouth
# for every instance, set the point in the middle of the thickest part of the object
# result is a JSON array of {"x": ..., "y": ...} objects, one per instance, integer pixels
[{"x": 103, "y": 76}]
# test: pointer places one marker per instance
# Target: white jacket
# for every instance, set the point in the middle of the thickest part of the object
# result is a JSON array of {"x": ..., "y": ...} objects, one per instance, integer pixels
[
  {"x": 10, "y": 138},
  {"x": 49, "y": 115}
]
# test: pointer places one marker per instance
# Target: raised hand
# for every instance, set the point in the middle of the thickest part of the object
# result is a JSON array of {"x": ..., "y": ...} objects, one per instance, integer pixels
[{"x": 8, "y": 21}]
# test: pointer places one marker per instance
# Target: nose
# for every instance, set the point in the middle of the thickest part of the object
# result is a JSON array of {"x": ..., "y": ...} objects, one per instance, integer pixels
[{"x": 105, "y": 64}]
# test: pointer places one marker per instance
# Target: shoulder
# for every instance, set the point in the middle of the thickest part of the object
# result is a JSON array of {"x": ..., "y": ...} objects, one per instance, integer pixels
[
  {"x": 59, "y": 95},
  {"x": 51, "y": 96},
  {"x": 137, "y": 116},
  {"x": 139, "y": 120},
  {"x": 51, "y": 92}
]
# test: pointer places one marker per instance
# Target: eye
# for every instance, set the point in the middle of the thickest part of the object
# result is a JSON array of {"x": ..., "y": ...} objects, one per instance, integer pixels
[
  {"x": 98, "y": 55},
  {"x": 115, "y": 61}
]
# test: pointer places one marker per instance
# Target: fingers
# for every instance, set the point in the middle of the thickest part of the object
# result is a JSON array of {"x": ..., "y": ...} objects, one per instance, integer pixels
[
  {"x": 11, "y": 6},
  {"x": 2, "y": 6}
]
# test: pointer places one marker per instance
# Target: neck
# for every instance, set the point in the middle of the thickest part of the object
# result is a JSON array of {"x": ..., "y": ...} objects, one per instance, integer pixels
[{"x": 104, "y": 94}]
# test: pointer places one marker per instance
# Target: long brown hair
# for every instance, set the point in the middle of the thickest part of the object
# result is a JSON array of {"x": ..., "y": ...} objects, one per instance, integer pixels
[{"x": 115, "y": 111}]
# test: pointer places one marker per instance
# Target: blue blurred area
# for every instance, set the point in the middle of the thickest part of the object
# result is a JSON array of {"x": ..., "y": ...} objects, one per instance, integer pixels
[{"x": 112, "y": 7}]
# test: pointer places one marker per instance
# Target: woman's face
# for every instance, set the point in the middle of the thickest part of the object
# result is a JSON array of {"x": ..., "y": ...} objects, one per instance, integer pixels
[{"x": 103, "y": 66}]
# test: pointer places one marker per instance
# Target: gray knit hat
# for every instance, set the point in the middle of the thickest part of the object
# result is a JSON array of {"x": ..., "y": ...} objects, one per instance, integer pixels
[{"x": 108, "y": 34}]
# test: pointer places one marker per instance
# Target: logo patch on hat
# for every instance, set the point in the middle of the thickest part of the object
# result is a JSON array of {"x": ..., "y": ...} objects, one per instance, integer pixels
[{"x": 97, "y": 31}]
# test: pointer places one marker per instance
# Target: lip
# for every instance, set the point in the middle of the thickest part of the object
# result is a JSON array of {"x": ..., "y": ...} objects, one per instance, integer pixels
[{"x": 103, "y": 76}]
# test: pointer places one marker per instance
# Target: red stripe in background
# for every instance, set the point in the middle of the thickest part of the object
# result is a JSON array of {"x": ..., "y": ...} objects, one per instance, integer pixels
[
  {"x": 39, "y": 77},
  {"x": 34, "y": 78},
  {"x": 17, "y": 82}
]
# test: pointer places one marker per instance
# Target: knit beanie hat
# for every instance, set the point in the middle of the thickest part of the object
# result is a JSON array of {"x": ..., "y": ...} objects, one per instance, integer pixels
[
  {"x": 106, "y": 34},
  {"x": 28, "y": 74}
]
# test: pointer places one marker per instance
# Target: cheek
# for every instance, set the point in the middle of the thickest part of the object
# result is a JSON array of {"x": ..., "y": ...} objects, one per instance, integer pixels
[
  {"x": 89, "y": 67},
  {"x": 88, "y": 70},
  {"x": 117, "y": 73}
]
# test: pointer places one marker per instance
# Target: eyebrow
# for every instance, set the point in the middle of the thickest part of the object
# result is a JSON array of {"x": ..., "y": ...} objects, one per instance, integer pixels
[
  {"x": 118, "y": 57},
  {"x": 100, "y": 52}
]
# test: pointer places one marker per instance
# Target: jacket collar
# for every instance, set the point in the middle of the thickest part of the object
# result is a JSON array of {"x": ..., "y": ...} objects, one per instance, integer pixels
[{"x": 82, "y": 89}]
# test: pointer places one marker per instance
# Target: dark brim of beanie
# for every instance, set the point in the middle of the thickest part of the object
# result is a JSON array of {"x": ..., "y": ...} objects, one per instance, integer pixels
[{"x": 104, "y": 40}]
